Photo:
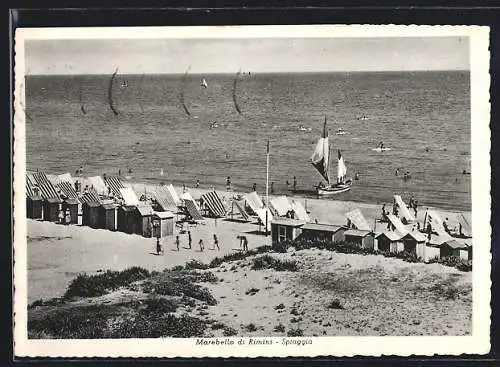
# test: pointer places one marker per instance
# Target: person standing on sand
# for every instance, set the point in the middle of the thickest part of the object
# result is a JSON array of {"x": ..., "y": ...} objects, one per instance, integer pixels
[
  {"x": 158, "y": 246},
  {"x": 201, "y": 245},
  {"x": 190, "y": 239},
  {"x": 254, "y": 187},
  {"x": 61, "y": 217},
  {"x": 177, "y": 243},
  {"x": 67, "y": 217},
  {"x": 415, "y": 207},
  {"x": 216, "y": 243}
]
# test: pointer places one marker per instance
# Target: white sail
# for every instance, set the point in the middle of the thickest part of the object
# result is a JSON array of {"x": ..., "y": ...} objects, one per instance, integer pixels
[
  {"x": 341, "y": 169},
  {"x": 320, "y": 157},
  {"x": 204, "y": 83}
]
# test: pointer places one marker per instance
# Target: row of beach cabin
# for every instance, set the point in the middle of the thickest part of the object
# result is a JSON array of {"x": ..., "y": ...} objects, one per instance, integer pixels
[{"x": 105, "y": 203}]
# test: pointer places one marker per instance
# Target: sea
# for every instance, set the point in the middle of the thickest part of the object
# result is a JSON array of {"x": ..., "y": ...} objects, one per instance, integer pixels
[{"x": 424, "y": 117}]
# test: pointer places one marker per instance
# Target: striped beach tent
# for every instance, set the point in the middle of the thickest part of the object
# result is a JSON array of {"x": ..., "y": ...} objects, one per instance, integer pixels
[
  {"x": 193, "y": 209},
  {"x": 68, "y": 190},
  {"x": 66, "y": 177},
  {"x": 253, "y": 201},
  {"x": 240, "y": 205},
  {"x": 115, "y": 184},
  {"x": 91, "y": 196},
  {"x": 187, "y": 197},
  {"x": 281, "y": 205},
  {"x": 358, "y": 220},
  {"x": 47, "y": 189},
  {"x": 214, "y": 203},
  {"x": 164, "y": 198},
  {"x": 29, "y": 185},
  {"x": 300, "y": 212},
  {"x": 173, "y": 193},
  {"x": 404, "y": 212}
]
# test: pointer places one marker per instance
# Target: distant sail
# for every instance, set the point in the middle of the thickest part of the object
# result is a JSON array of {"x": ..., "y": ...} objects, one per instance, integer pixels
[
  {"x": 204, "y": 83},
  {"x": 235, "y": 84},
  {"x": 110, "y": 93},
  {"x": 320, "y": 157},
  {"x": 80, "y": 98},
  {"x": 140, "y": 87},
  {"x": 181, "y": 94}
]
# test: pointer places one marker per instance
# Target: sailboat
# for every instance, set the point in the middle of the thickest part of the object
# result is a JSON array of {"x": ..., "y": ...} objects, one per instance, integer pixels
[
  {"x": 321, "y": 161},
  {"x": 204, "y": 83}
]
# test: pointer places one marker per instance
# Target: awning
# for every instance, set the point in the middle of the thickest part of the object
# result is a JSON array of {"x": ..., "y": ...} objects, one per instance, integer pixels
[
  {"x": 129, "y": 196},
  {"x": 281, "y": 205},
  {"x": 358, "y": 220},
  {"x": 404, "y": 212}
]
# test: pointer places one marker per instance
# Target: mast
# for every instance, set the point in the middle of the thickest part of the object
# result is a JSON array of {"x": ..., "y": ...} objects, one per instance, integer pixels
[
  {"x": 267, "y": 183},
  {"x": 110, "y": 93},
  {"x": 327, "y": 148}
]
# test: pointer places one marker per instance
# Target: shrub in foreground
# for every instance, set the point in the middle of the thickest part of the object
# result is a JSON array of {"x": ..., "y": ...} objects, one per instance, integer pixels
[
  {"x": 270, "y": 262},
  {"x": 235, "y": 256},
  {"x": 295, "y": 332},
  {"x": 97, "y": 285}
]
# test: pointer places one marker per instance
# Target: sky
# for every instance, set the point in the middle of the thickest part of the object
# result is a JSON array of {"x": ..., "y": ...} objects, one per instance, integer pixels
[{"x": 174, "y": 56}]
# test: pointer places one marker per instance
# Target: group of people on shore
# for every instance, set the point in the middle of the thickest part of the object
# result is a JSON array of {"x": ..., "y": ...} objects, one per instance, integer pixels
[{"x": 215, "y": 244}]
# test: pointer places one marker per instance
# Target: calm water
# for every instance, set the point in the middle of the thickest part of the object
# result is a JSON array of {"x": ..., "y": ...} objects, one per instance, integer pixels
[{"x": 408, "y": 111}]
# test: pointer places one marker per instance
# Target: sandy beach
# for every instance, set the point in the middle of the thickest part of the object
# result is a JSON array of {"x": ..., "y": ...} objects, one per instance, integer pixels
[{"x": 57, "y": 253}]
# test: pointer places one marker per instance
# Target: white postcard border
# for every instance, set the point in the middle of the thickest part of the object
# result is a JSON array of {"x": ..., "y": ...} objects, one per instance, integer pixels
[{"x": 477, "y": 343}]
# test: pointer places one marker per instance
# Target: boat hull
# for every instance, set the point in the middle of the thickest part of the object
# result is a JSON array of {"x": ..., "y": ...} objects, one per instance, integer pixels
[{"x": 333, "y": 190}]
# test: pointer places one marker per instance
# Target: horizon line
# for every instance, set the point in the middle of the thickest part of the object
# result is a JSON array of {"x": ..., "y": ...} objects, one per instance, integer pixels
[{"x": 260, "y": 72}]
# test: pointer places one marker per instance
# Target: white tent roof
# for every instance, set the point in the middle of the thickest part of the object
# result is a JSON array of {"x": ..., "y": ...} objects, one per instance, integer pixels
[
  {"x": 253, "y": 201},
  {"x": 300, "y": 212},
  {"x": 98, "y": 184},
  {"x": 281, "y": 204},
  {"x": 129, "y": 196},
  {"x": 359, "y": 221},
  {"x": 405, "y": 213},
  {"x": 437, "y": 224},
  {"x": 262, "y": 216},
  {"x": 187, "y": 196}
]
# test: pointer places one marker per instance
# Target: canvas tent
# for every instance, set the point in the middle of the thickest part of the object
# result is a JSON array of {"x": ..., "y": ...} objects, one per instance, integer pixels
[
  {"x": 164, "y": 198},
  {"x": 281, "y": 205},
  {"x": 68, "y": 190},
  {"x": 397, "y": 224},
  {"x": 240, "y": 205},
  {"x": 214, "y": 204},
  {"x": 115, "y": 184},
  {"x": 466, "y": 226},
  {"x": 98, "y": 183},
  {"x": 437, "y": 224},
  {"x": 404, "y": 212},
  {"x": 129, "y": 196},
  {"x": 174, "y": 194},
  {"x": 253, "y": 201},
  {"x": 358, "y": 220},
  {"x": 193, "y": 209},
  {"x": 54, "y": 179},
  {"x": 261, "y": 213},
  {"x": 47, "y": 189},
  {"x": 90, "y": 196},
  {"x": 66, "y": 177},
  {"x": 300, "y": 212}
]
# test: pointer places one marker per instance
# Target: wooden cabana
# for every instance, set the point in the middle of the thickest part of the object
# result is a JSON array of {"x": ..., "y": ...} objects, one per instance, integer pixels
[
  {"x": 143, "y": 215},
  {"x": 51, "y": 208},
  {"x": 108, "y": 216},
  {"x": 163, "y": 224},
  {"x": 72, "y": 205},
  {"x": 126, "y": 221},
  {"x": 34, "y": 207},
  {"x": 90, "y": 214}
]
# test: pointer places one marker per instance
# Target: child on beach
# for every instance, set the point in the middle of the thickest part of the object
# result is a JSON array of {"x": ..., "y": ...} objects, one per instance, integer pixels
[
  {"x": 61, "y": 217},
  {"x": 201, "y": 245},
  {"x": 216, "y": 243},
  {"x": 177, "y": 242},
  {"x": 68, "y": 217},
  {"x": 158, "y": 246},
  {"x": 190, "y": 240}
]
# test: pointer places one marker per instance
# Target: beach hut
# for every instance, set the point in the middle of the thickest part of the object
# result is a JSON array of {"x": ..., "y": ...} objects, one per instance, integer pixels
[
  {"x": 51, "y": 207},
  {"x": 90, "y": 216},
  {"x": 323, "y": 232},
  {"x": 126, "y": 221},
  {"x": 360, "y": 238},
  {"x": 414, "y": 242},
  {"x": 453, "y": 248},
  {"x": 107, "y": 216},
  {"x": 72, "y": 205},
  {"x": 34, "y": 205},
  {"x": 163, "y": 224},
  {"x": 143, "y": 215},
  {"x": 431, "y": 252},
  {"x": 389, "y": 241},
  {"x": 283, "y": 229}
]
